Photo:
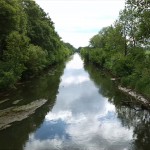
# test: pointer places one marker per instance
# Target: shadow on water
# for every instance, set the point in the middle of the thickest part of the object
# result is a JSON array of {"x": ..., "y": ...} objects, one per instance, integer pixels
[
  {"x": 132, "y": 117},
  {"x": 43, "y": 87}
]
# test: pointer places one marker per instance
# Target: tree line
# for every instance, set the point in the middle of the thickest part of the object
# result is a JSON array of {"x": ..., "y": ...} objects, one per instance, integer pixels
[
  {"x": 124, "y": 47},
  {"x": 28, "y": 41}
]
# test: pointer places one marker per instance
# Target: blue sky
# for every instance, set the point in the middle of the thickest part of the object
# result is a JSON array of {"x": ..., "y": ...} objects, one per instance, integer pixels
[{"x": 76, "y": 21}]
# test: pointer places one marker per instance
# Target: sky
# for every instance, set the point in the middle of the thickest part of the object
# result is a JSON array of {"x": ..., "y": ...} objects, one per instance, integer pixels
[{"x": 76, "y": 21}]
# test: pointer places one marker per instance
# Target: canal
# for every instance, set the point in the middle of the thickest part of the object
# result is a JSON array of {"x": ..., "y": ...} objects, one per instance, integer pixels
[{"x": 72, "y": 107}]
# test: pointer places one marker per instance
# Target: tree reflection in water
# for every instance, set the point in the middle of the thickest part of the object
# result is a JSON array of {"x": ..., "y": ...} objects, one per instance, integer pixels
[{"x": 131, "y": 116}]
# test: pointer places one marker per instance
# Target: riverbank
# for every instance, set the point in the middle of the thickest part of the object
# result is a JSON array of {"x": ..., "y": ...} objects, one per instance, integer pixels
[
  {"x": 123, "y": 72},
  {"x": 50, "y": 70},
  {"x": 144, "y": 102},
  {"x": 18, "y": 113},
  {"x": 139, "y": 97}
]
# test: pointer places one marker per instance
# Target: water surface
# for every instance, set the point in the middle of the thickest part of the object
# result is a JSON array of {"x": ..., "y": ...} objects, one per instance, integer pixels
[{"x": 84, "y": 111}]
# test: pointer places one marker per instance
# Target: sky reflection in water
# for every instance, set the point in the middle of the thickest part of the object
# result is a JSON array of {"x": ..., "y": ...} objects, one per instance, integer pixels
[{"x": 81, "y": 117}]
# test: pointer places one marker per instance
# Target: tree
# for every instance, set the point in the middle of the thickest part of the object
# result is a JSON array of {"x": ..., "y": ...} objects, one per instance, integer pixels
[
  {"x": 12, "y": 18},
  {"x": 28, "y": 41}
]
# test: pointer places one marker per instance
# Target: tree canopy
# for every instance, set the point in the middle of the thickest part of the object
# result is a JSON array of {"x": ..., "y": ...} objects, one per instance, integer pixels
[
  {"x": 28, "y": 41},
  {"x": 124, "y": 47}
]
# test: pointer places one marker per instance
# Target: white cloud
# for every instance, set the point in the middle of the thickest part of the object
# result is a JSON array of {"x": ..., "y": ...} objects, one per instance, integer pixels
[
  {"x": 77, "y": 21},
  {"x": 76, "y": 63},
  {"x": 74, "y": 80}
]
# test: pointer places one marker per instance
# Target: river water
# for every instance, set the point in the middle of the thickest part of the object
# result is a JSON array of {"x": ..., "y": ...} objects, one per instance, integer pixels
[{"x": 71, "y": 107}]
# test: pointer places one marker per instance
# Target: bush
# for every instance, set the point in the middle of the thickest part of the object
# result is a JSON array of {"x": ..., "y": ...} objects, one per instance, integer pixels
[
  {"x": 97, "y": 56},
  {"x": 10, "y": 73},
  {"x": 121, "y": 65},
  {"x": 37, "y": 59}
]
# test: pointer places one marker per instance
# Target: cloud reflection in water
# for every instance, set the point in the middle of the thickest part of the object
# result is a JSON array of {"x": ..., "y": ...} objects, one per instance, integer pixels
[{"x": 81, "y": 117}]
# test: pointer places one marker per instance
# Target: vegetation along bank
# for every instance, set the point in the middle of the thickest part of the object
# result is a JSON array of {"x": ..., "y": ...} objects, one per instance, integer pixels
[
  {"x": 124, "y": 47},
  {"x": 28, "y": 41}
]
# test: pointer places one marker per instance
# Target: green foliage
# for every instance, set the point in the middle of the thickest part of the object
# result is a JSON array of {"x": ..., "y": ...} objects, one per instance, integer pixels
[
  {"x": 123, "y": 48},
  {"x": 28, "y": 41},
  {"x": 37, "y": 59},
  {"x": 10, "y": 74},
  {"x": 17, "y": 45},
  {"x": 85, "y": 53},
  {"x": 12, "y": 18},
  {"x": 97, "y": 41},
  {"x": 70, "y": 47},
  {"x": 97, "y": 56},
  {"x": 9, "y": 17},
  {"x": 40, "y": 29},
  {"x": 14, "y": 58}
]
